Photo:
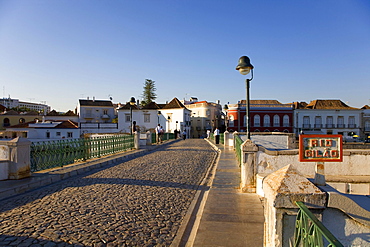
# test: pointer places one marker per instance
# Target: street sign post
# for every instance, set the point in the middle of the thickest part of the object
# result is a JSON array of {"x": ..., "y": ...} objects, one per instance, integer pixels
[{"x": 320, "y": 149}]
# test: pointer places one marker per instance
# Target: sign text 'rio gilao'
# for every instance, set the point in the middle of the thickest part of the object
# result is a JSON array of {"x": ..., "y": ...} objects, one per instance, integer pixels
[{"x": 320, "y": 148}]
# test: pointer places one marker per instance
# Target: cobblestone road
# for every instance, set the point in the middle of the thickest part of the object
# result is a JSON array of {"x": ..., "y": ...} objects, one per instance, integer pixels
[{"x": 140, "y": 202}]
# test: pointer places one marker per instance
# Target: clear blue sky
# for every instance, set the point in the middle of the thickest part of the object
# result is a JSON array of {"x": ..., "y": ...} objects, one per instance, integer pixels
[{"x": 61, "y": 50}]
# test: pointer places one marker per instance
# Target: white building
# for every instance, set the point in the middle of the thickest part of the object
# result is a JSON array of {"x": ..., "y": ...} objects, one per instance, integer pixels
[
  {"x": 366, "y": 122},
  {"x": 205, "y": 116},
  {"x": 171, "y": 116},
  {"x": 43, "y": 131},
  {"x": 327, "y": 117},
  {"x": 14, "y": 103}
]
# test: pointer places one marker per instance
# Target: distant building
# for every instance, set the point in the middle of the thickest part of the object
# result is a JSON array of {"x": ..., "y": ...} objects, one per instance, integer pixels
[
  {"x": 265, "y": 116},
  {"x": 366, "y": 121},
  {"x": 43, "y": 130},
  {"x": 171, "y": 116},
  {"x": 95, "y": 111},
  {"x": 205, "y": 116},
  {"x": 327, "y": 117},
  {"x": 15, "y": 103}
]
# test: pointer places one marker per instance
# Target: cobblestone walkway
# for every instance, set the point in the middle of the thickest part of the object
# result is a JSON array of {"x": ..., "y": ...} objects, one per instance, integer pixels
[{"x": 140, "y": 202}]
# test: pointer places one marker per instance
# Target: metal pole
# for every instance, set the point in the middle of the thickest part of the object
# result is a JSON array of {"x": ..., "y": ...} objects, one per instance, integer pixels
[
  {"x": 247, "y": 109},
  {"x": 131, "y": 120}
]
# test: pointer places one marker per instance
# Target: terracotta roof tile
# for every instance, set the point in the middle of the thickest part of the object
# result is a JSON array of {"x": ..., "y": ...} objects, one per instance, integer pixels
[
  {"x": 175, "y": 103},
  {"x": 328, "y": 104},
  {"x": 84, "y": 102}
]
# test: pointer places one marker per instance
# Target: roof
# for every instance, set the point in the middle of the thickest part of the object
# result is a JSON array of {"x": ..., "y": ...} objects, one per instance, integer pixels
[
  {"x": 175, "y": 103},
  {"x": 365, "y": 107},
  {"x": 266, "y": 103},
  {"x": 86, "y": 102},
  {"x": 329, "y": 104},
  {"x": 151, "y": 106},
  {"x": 63, "y": 124},
  {"x": 127, "y": 106},
  {"x": 11, "y": 112}
]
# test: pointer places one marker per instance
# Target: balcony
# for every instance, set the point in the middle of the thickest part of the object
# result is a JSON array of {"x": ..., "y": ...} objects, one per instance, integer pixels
[
  {"x": 352, "y": 126},
  {"x": 306, "y": 126},
  {"x": 318, "y": 126},
  {"x": 341, "y": 126},
  {"x": 330, "y": 126},
  {"x": 105, "y": 116}
]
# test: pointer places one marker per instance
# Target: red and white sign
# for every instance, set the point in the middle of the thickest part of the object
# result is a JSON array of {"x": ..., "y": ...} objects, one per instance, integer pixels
[{"x": 320, "y": 148}]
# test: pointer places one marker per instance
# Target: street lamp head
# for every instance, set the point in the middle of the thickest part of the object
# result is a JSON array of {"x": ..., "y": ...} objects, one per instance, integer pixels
[
  {"x": 244, "y": 65},
  {"x": 132, "y": 101},
  {"x": 159, "y": 113}
]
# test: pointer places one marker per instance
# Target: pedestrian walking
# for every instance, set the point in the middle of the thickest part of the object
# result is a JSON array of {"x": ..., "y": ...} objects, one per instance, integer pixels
[
  {"x": 158, "y": 132},
  {"x": 208, "y": 133},
  {"x": 184, "y": 135},
  {"x": 217, "y": 135},
  {"x": 175, "y": 133}
]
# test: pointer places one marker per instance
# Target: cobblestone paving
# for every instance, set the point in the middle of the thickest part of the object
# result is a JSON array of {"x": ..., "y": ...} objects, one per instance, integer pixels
[{"x": 140, "y": 202}]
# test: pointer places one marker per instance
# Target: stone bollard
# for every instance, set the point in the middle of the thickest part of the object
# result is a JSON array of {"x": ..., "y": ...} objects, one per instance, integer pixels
[
  {"x": 148, "y": 138},
  {"x": 19, "y": 156},
  {"x": 137, "y": 140},
  {"x": 248, "y": 167},
  {"x": 282, "y": 189},
  {"x": 226, "y": 138}
]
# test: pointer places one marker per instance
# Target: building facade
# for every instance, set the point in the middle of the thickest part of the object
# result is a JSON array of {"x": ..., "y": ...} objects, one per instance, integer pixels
[
  {"x": 327, "y": 117},
  {"x": 15, "y": 103},
  {"x": 205, "y": 116},
  {"x": 171, "y": 116},
  {"x": 265, "y": 116}
]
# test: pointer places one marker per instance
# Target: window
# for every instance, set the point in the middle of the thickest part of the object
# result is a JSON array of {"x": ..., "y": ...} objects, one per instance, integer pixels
[
  {"x": 318, "y": 122},
  {"x": 146, "y": 118},
  {"x": 329, "y": 122},
  {"x": 231, "y": 121},
  {"x": 306, "y": 122},
  {"x": 286, "y": 121},
  {"x": 69, "y": 134},
  {"x": 6, "y": 122},
  {"x": 340, "y": 122},
  {"x": 266, "y": 121},
  {"x": 276, "y": 121},
  {"x": 351, "y": 122},
  {"x": 21, "y": 120},
  {"x": 58, "y": 133},
  {"x": 105, "y": 112},
  {"x": 127, "y": 118},
  {"x": 47, "y": 134},
  {"x": 257, "y": 121}
]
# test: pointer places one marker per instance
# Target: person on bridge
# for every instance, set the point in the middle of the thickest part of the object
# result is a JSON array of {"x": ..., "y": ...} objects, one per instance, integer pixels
[
  {"x": 158, "y": 134},
  {"x": 217, "y": 135}
]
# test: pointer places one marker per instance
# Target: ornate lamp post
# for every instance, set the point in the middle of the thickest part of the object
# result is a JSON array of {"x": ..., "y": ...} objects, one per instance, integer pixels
[
  {"x": 244, "y": 68},
  {"x": 159, "y": 113},
  {"x": 132, "y": 103}
]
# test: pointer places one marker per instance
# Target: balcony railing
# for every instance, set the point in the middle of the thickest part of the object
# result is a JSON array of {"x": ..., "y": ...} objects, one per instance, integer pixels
[
  {"x": 341, "y": 126},
  {"x": 330, "y": 126},
  {"x": 352, "y": 126},
  {"x": 306, "y": 126},
  {"x": 318, "y": 126},
  {"x": 309, "y": 231}
]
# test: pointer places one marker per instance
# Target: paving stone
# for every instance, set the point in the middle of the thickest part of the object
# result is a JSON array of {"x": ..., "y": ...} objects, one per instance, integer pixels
[{"x": 139, "y": 202}]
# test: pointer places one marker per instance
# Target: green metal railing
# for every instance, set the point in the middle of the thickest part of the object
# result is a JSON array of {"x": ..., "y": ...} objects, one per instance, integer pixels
[
  {"x": 165, "y": 137},
  {"x": 238, "y": 151},
  {"x": 309, "y": 231},
  {"x": 50, "y": 154},
  {"x": 222, "y": 140}
]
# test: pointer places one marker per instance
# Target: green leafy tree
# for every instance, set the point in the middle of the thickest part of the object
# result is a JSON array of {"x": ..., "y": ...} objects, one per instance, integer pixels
[{"x": 149, "y": 92}]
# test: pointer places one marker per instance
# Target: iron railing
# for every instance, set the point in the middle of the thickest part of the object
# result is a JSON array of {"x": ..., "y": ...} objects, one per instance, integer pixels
[
  {"x": 309, "y": 231},
  {"x": 165, "y": 137},
  {"x": 50, "y": 154},
  {"x": 238, "y": 151}
]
